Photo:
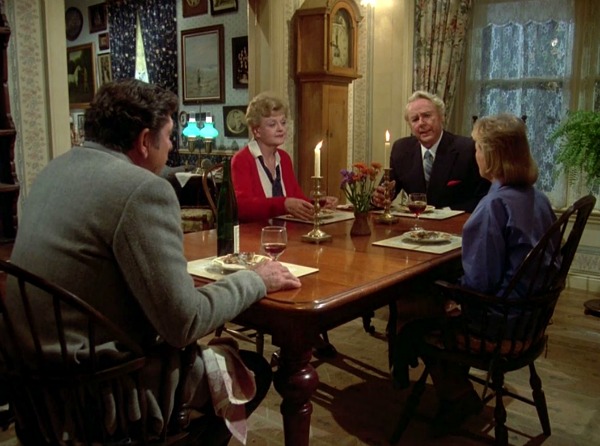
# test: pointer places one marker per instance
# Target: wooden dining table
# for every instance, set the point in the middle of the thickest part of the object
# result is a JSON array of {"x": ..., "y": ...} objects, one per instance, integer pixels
[{"x": 354, "y": 278}]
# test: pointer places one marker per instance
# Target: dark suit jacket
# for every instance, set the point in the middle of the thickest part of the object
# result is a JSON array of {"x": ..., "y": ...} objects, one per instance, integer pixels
[{"x": 455, "y": 180}]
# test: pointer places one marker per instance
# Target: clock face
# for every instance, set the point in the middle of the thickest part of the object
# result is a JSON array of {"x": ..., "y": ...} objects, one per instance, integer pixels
[{"x": 341, "y": 39}]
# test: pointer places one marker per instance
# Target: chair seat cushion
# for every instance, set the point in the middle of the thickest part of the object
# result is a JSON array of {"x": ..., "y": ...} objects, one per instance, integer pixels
[{"x": 196, "y": 219}]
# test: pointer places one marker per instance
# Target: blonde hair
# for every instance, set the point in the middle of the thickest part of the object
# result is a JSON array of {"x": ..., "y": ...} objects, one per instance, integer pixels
[
  {"x": 262, "y": 106},
  {"x": 503, "y": 140},
  {"x": 422, "y": 94}
]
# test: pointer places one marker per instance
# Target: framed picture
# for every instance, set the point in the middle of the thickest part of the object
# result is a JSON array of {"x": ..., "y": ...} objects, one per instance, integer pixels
[
  {"x": 203, "y": 76},
  {"x": 183, "y": 118},
  {"x": 103, "y": 42},
  {"x": 104, "y": 69},
  {"x": 194, "y": 7},
  {"x": 234, "y": 117},
  {"x": 97, "y": 17},
  {"x": 239, "y": 64},
  {"x": 73, "y": 23},
  {"x": 221, "y": 6},
  {"x": 81, "y": 71}
]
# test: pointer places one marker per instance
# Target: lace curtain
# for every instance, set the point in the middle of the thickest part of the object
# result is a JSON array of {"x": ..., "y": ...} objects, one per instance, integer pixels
[
  {"x": 537, "y": 58},
  {"x": 439, "y": 48}
]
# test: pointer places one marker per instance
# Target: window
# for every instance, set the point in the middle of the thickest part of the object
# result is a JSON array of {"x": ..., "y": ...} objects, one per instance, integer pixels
[
  {"x": 533, "y": 58},
  {"x": 141, "y": 72}
]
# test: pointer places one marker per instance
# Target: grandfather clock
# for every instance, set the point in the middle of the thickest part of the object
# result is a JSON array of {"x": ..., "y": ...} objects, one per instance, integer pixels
[{"x": 326, "y": 40}]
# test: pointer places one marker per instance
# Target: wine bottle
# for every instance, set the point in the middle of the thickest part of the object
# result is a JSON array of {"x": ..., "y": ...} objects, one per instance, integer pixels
[{"x": 228, "y": 228}]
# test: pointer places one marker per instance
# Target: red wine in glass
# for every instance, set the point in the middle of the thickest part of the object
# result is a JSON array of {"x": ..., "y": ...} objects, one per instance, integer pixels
[
  {"x": 417, "y": 203},
  {"x": 417, "y": 207},
  {"x": 274, "y": 250},
  {"x": 273, "y": 240}
]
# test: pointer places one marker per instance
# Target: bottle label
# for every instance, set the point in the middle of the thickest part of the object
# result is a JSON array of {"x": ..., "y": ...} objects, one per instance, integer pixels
[{"x": 236, "y": 238}]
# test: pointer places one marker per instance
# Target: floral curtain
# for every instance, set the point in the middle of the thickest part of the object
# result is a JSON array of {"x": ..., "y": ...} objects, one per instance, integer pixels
[
  {"x": 121, "y": 22},
  {"x": 159, "y": 31},
  {"x": 440, "y": 43},
  {"x": 158, "y": 20}
]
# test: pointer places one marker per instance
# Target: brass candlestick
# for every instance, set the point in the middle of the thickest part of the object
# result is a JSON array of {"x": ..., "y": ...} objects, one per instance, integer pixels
[
  {"x": 316, "y": 235},
  {"x": 387, "y": 216}
]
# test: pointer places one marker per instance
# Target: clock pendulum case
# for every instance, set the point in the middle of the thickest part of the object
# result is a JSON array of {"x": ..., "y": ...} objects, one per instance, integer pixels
[{"x": 326, "y": 33}]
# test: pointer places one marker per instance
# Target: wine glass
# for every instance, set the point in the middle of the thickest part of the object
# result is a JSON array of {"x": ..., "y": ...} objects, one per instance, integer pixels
[
  {"x": 417, "y": 203},
  {"x": 273, "y": 240}
]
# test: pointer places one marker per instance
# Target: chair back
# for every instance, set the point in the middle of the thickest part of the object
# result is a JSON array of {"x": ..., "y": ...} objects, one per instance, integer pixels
[
  {"x": 62, "y": 384},
  {"x": 515, "y": 322},
  {"x": 210, "y": 185}
]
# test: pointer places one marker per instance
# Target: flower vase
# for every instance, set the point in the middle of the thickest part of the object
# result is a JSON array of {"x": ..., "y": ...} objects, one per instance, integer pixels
[{"x": 361, "y": 224}]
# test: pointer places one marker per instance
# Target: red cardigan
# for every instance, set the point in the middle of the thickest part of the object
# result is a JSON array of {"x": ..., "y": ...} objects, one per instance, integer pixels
[{"x": 253, "y": 205}]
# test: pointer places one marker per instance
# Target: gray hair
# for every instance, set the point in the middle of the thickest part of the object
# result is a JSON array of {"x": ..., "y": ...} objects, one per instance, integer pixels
[{"x": 422, "y": 94}]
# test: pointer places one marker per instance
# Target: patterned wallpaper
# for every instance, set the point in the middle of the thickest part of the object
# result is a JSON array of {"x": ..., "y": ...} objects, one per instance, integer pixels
[{"x": 27, "y": 89}]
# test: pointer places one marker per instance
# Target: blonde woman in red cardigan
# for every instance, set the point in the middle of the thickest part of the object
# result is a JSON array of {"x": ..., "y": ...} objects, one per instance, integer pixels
[{"x": 263, "y": 174}]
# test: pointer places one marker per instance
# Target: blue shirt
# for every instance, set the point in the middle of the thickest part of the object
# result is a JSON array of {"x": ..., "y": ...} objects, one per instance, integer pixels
[{"x": 503, "y": 228}]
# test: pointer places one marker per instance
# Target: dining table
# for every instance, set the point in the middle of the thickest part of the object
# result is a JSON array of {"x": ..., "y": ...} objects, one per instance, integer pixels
[{"x": 354, "y": 277}]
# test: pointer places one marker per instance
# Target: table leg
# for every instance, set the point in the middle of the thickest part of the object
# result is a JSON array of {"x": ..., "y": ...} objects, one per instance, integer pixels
[{"x": 296, "y": 380}]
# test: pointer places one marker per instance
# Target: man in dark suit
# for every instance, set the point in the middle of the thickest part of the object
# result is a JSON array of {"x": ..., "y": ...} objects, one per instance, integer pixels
[{"x": 433, "y": 160}]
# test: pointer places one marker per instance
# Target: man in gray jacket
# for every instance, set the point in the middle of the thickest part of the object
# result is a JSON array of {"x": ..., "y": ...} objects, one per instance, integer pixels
[{"x": 100, "y": 222}]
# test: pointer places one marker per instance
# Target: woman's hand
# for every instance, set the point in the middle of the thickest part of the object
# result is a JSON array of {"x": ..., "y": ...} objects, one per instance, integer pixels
[{"x": 299, "y": 208}]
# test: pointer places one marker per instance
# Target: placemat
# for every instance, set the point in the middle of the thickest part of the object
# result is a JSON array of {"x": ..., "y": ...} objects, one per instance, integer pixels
[
  {"x": 333, "y": 217},
  {"x": 436, "y": 214},
  {"x": 439, "y": 248},
  {"x": 205, "y": 268}
]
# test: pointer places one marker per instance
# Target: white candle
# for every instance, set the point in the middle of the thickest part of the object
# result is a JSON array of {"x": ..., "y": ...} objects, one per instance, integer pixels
[
  {"x": 318, "y": 159},
  {"x": 386, "y": 150}
]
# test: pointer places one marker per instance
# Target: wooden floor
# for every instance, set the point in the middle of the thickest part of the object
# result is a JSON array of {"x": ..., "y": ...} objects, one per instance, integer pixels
[{"x": 355, "y": 403}]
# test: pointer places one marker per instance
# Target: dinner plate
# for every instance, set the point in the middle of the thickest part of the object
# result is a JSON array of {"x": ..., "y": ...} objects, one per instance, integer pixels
[
  {"x": 427, "y": 237},
  {"x": 233, "y": 262},
  {"x": 402, "y": 208}
]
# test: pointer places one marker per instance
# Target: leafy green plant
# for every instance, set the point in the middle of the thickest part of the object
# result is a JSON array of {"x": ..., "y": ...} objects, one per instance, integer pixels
[{"x": 578, "y": 138}]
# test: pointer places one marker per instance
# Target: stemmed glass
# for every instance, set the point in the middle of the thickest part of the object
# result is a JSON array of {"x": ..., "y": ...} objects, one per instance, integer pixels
[
  {"x": 273, "y": 240},
  {"x": 417, "y": 203}
]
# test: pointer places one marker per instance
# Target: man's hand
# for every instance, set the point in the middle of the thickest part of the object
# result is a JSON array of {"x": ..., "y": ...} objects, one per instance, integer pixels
[
  {"x": 299, "y": 208},
  {"x": 276, "y": 276},
  {"x": 378, "y": 198}
]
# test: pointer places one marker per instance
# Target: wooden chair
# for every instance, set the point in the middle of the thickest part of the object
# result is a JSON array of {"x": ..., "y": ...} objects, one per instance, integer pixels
[
  {"x": 210, "y": 185},
  {"x": 53, "y": 395},
  {"x": 500, "y": 334}
]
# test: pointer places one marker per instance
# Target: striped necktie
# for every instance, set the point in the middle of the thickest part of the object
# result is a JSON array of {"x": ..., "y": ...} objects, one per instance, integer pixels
[{"x": 427, "y": 165}]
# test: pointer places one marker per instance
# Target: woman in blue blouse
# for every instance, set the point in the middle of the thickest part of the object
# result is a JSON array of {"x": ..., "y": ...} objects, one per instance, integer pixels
[{"x": 506, "y": 224}]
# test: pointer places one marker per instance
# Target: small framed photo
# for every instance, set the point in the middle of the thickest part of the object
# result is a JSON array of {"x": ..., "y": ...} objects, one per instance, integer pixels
[
  {"x": 202, "y": 61},
  {"x": 103, "y": 42},
  {"x": 239, "y": 64},
  {"x": 222, "y": 6},
  {"x": 98, "y": 17},
  {"x": 234, "y": 117},
  {"x": 104, "y": 69},
  {"x": 194, "y": 7},
  {"x": 81, "y": 70},
  {"x": 183, "y": 118}
]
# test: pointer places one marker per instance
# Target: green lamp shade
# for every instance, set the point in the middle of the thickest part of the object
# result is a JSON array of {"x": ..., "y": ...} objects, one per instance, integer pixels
[
  {"x": 208, "y": 130},
  {"x": 191, "y": 130}
]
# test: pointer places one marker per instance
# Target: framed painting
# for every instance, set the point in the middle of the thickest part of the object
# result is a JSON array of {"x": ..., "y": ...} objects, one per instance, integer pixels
[
  {"x": 98, "y": 17},
  {"x": 234, "y": 117},
  {"x": 104, "y": 69},
  {"x": 103, "y": 42},
  {"x": 194, "y": 7},
  {"x": 81, "y": 71},
  {"x": 239, "y": 64},
  {"x": 203, "y": 73},
  {"x": 222, "y": 6},
  {"x": 73, "y": 23}
]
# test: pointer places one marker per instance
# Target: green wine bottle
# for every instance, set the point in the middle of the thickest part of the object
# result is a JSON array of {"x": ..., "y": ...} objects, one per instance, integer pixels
[{"x": 228, "y": 228}]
